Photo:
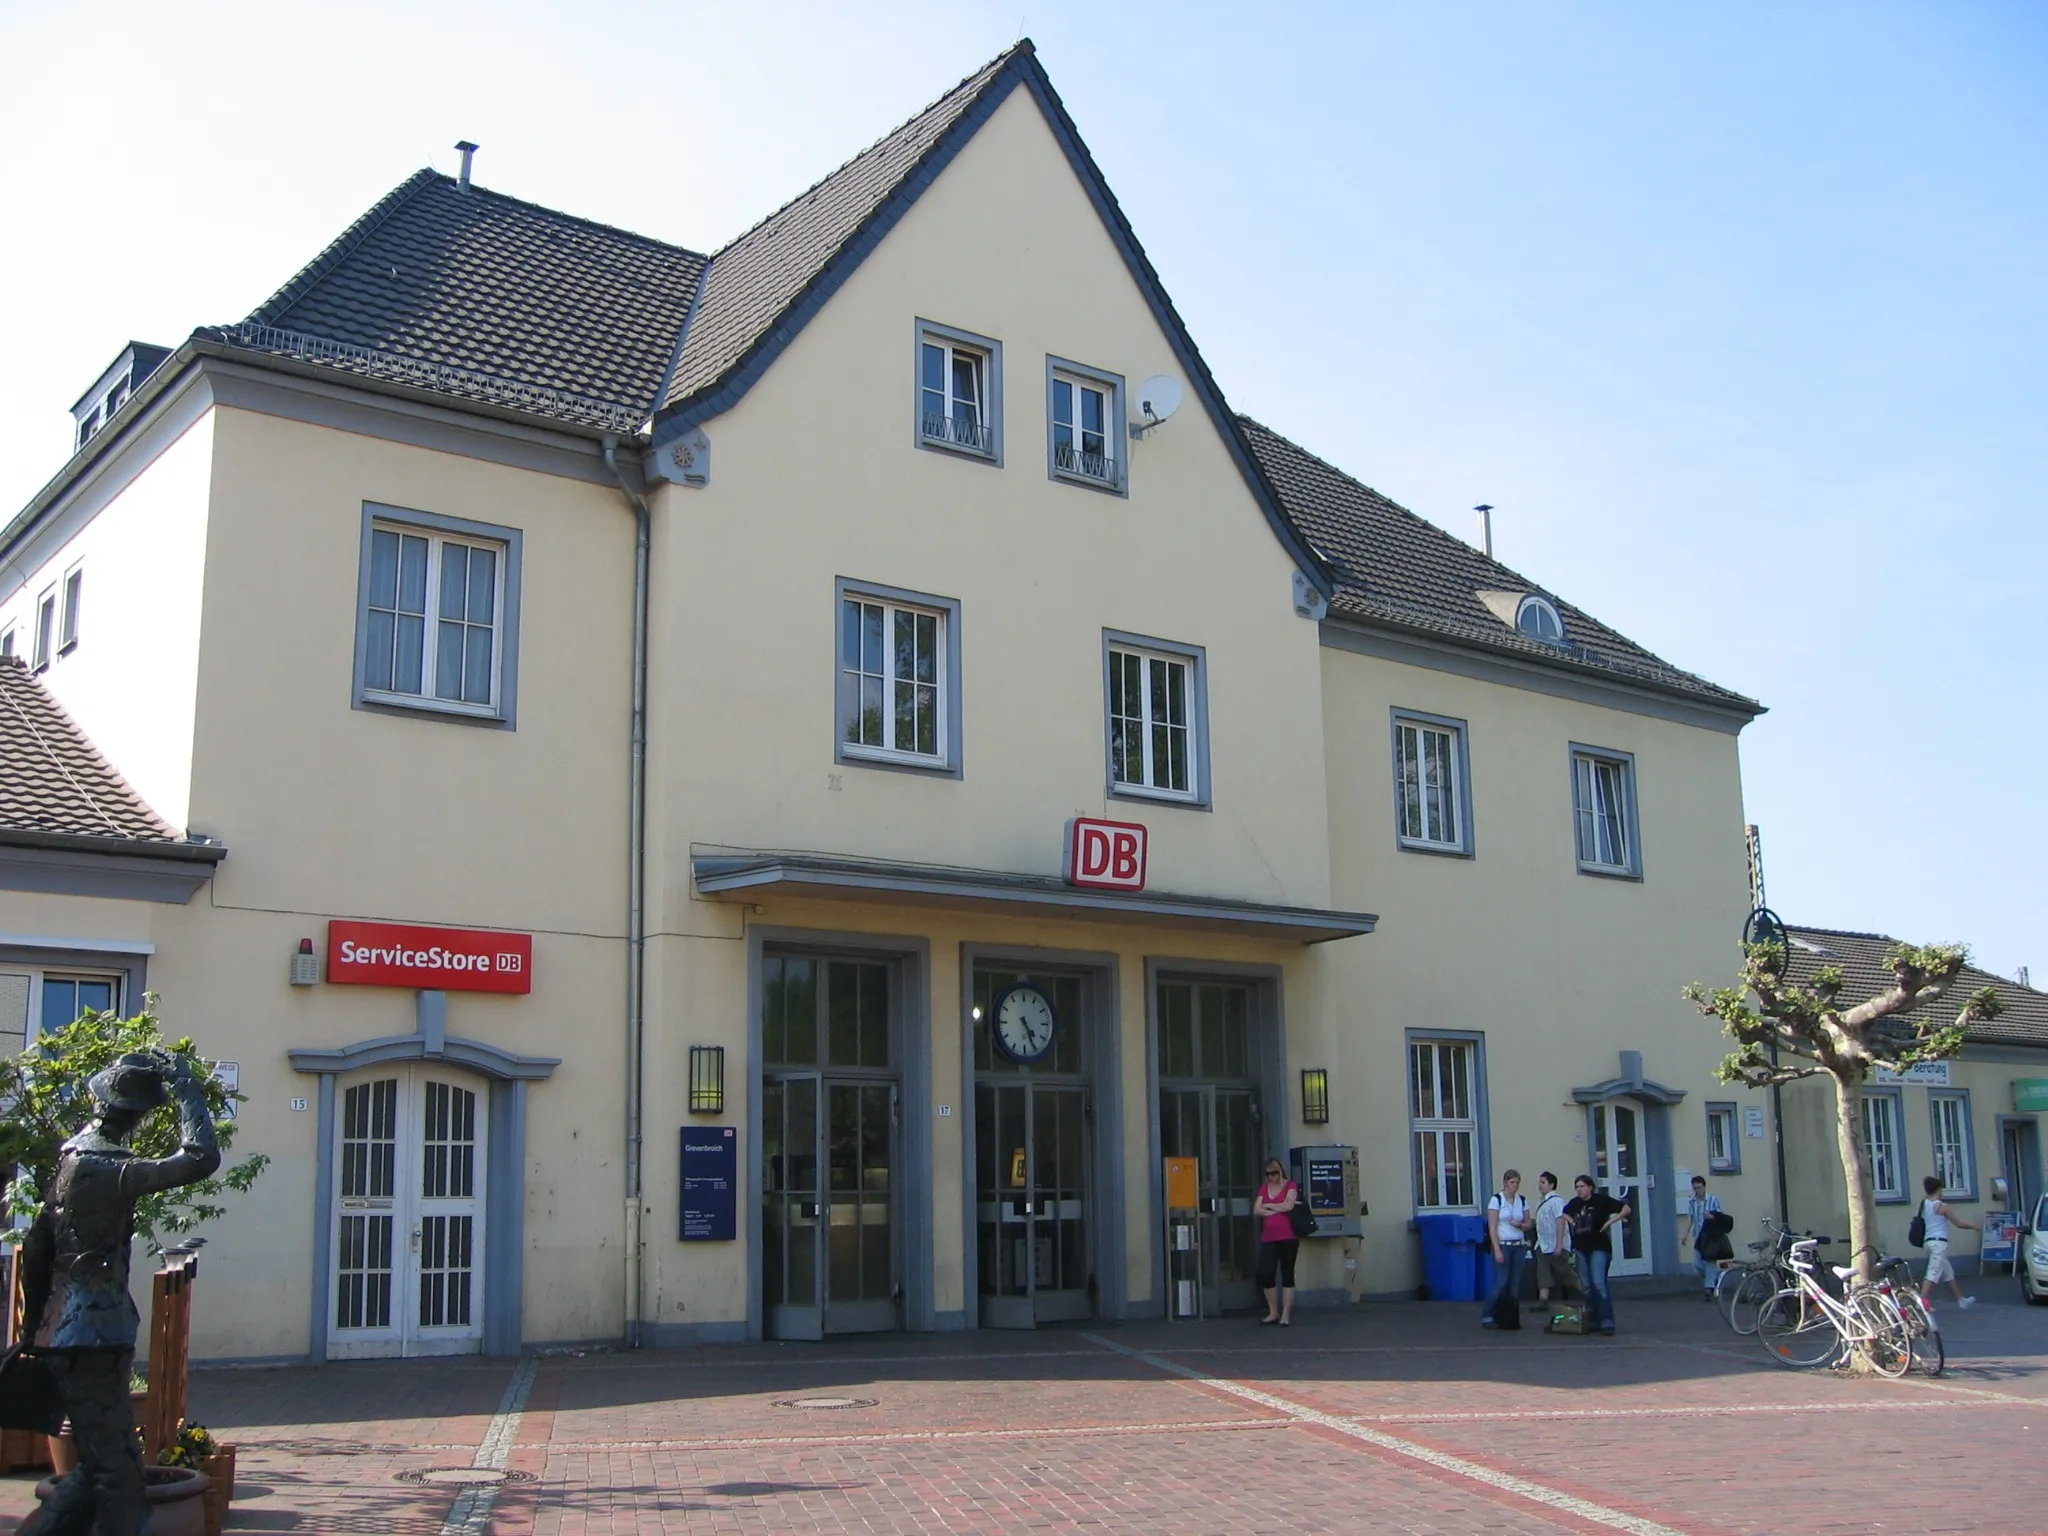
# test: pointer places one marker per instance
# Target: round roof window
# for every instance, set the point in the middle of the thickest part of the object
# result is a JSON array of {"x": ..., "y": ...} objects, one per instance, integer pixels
[{"x": 1539, "y": 620}]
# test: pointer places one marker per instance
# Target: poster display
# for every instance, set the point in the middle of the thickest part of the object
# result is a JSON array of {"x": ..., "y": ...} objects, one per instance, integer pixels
[{"x": 710, "y": 1183}]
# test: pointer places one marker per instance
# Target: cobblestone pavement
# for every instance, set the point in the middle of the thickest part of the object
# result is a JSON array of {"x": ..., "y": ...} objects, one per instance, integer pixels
[{"x": 1398, "y": 1418}]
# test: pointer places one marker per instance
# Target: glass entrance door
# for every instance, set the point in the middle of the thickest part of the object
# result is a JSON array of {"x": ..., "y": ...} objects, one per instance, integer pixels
[
  {"x": 1209, "y": 1110},
  {"x": 408, "y": 1218},
  {"x": 829, "y": 1149},
  {"x": 1618, "y": 1169},
  {"x": 1033, "y": 1169},
  {"x": 1219, "y": 1128}
]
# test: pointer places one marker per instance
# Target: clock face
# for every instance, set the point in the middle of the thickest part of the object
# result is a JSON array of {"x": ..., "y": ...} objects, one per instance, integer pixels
[{"x": 1025, "y": 1025}]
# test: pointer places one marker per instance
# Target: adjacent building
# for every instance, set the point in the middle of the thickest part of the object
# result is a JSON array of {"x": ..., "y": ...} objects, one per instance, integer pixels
[{"x": 855, "y": 719}]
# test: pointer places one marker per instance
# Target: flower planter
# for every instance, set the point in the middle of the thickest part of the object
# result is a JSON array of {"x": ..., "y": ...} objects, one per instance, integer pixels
[
  {"x": 220, "y": 1487},
  {"x": 177, "y": 1499}
]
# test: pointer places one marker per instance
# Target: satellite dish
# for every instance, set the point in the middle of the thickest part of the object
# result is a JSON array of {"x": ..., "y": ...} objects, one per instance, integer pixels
[{"x": 1158, "y": 398}]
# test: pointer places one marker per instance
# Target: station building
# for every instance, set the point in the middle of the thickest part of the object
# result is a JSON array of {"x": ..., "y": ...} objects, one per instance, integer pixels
[{"x": 859, "y": 706}]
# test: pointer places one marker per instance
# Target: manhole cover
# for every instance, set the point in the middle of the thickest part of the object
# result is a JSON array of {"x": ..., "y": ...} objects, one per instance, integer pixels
[
  {"x": 464, "y": 1477},
  {"x": 826, "y": 1402}
]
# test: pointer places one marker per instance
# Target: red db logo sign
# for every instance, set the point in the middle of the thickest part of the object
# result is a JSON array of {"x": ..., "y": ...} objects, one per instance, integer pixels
[{"x": 1109, "y": 855}]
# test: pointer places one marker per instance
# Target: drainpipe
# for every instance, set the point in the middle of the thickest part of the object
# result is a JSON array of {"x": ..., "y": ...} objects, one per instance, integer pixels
[{"x": 636, "y": 892}]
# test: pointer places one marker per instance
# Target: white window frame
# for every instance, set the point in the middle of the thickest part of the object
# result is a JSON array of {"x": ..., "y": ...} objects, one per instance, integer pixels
[
  {"x": 1955, "y": 1164},
  {"x": 1115, "y": 431},
  {"x": 7, "y": 639},
  {"x": 953, "y": 342},
  {"x": 1586, "y": 821},
  {"x": 73, "y": 590},
  {"x": 440, "y": 532},
  {"x": 946, "y": 685},
  {"x": 1428, "y": 1123},
  {"x": 1722, "y": 1117},
  {"x": 44, "y": 634},
  {"x": 39, "y": 977},
  {"x": 1543, "y": 608},
  {"x": 1888, "y": 1162},
  {"x": 1147, "y": 650},
  {"x": 1407, "y": 722}
]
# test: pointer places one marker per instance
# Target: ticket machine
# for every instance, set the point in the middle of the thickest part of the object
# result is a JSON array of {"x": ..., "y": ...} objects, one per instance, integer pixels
[{"x": 1329, "y": 1177}]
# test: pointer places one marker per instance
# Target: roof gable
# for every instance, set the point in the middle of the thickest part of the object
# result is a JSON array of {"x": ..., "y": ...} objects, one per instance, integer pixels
[{"x": 760, "y": 291}]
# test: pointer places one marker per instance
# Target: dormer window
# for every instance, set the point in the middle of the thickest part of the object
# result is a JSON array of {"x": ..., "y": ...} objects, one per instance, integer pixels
[{"x": 1538, "y": 618}]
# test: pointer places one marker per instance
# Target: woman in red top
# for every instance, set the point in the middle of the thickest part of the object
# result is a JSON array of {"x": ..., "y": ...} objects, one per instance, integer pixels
[{"x": 1277, "y": 1243}]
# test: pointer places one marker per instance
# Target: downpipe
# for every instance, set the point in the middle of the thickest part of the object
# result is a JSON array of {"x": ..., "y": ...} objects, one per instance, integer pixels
[{"x": 636, "y": 893}]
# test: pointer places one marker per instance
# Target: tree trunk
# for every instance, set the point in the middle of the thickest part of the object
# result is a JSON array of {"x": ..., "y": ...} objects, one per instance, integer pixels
[{"x": 1862, "y": 1213}]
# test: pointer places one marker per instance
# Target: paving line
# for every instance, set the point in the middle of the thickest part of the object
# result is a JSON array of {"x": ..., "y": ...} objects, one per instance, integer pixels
[
  {"x": 471, "y": 1515},
  {"x": 909, "y": 1436},
  {"x": 1985, "y": 1394},
  {"x": 1520, "y": 1487}
]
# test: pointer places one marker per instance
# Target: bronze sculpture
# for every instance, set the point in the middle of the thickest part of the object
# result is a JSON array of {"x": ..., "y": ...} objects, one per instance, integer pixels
[{"x": 79, "y": 1321}]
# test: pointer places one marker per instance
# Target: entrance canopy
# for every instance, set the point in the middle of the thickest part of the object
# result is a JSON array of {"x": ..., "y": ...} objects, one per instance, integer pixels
[{"x": 748, "y": 874}]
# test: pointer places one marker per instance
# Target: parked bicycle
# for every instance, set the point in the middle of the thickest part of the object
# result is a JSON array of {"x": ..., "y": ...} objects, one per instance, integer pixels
[
  {"x": 1894, "y": 1278},
  {"x": 1745, "y": 1285},
  {"x": 1805, "y": 1325}
]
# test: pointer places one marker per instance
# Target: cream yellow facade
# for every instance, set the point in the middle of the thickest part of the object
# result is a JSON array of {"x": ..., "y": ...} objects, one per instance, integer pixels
[{"x": 1565, "y": 985}]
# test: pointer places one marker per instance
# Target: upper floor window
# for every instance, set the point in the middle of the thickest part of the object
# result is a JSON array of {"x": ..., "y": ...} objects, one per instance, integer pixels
[
  {"x": 67, "y": 626},
  {"x": 1538, "y": 618},
  {"x": 1431, "y": 784},
  {"x": 45, "y": 631},
  {"x": 898, "y": 677},
  {"x": 437, "y": 625},
  {"x": 7, "y": 641},
  {"x": 1158, "y": 736},
  {"x": 1604, "y": 807},
  {"x": 1085, "y": 416},
  {"x": 959, "y": 391}
]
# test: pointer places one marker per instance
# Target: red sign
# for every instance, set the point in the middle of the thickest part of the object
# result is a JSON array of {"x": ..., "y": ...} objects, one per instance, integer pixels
[
  {"x": 447, "y": 959},
  {"x": 1109, "y": 855}
]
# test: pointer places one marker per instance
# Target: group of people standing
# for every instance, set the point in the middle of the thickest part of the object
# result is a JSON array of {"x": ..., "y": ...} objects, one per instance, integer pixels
[{"x": 1572, "y": 1240}]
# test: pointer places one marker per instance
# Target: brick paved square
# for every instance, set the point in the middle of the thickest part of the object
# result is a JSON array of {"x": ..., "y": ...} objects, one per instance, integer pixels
[{"x": 1399, "y": 1418}]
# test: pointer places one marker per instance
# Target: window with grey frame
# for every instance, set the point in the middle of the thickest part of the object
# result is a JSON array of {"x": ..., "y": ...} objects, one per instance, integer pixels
[
  {"x": 1954, "y": 1163},
  {"x": 438, "y": 616},
  {"x": 1084, "y": 416},
  {"x": 956, "y": 391},
  {"x": 1431, "y": 783},
  {"x": 1155, "y": 721},
  {"x": 1604, "y": 811},
  {"x": 1444, "y": 1123},
  {"x": 893, "y": 679},
  {"x": 1724, "y": 1150},
  {"x": 1884, "y": 1143}
]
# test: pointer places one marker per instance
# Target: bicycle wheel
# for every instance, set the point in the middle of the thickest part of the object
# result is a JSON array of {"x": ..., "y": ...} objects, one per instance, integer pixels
[
  {"x": 1928, "y": 1351},
  {"x": 1795, "y": 1332},
  {"x": 1885, "y": 1341},
  {"x": 1746, "y": 1298}
]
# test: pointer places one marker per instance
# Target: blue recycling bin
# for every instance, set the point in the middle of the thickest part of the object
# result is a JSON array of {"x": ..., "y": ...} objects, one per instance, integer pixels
[
  {"x": 1447, "y": 1266},
  {"x": 1471, "y": 1230}
]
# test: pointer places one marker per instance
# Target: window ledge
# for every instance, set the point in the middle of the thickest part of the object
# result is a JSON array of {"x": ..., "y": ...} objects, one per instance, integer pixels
[
  {"x": 1158, "y": 796},
  {"x": 415, "y": 707},
  {"x": 952, "y": 445},
  {"x": 1610, "y": 872},
  {"x": 1440, "y": 850},
  {"x": 881, "y": 757},
  {"x": 1111, "y": 485}
]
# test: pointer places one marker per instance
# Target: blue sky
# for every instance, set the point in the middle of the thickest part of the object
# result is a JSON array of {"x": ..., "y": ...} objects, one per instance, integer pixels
[{"x": 1736, "y": 313}]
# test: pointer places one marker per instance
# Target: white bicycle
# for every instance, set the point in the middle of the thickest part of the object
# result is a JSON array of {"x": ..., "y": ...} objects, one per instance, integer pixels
[{"x": 1805, "y": 1325}]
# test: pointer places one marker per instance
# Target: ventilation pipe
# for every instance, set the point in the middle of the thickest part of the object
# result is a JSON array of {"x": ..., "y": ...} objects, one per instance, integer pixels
[
  {"x": 1485, "y": 516},
  {"x": 468, "y": 154},
  {"x": 636, "y": 891}
]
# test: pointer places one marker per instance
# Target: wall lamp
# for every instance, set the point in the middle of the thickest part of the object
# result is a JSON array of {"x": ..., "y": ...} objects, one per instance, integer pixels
[
  {"x": 1315, "y": 1096},
  {"x": 707, "y": 1079}
]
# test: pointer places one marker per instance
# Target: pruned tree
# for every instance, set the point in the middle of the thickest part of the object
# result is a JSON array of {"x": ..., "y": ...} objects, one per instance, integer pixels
[{"x": 1784, "y": 1031}]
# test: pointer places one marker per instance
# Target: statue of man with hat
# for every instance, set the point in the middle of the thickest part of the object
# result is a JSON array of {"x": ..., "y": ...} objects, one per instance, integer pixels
[{"x": 78, "y": 1318}]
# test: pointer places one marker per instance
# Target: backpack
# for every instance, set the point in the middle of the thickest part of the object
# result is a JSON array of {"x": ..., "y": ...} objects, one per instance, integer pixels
[
  {"x": 1571, "y": 1319},
  {"x": 1916, "y": 1229},
  {"x": 1507, "y": 1312},
  {"x": 1718, "y": 1223}
]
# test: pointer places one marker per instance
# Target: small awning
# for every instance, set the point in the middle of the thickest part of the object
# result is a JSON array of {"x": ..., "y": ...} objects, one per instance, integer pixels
[{"x": 740, "y": 875}]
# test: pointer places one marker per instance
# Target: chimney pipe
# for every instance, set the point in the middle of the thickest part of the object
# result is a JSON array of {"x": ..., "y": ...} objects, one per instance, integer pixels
[
  {"x": 468, "y": 153},
  {"x": 1485, "y": 512}
]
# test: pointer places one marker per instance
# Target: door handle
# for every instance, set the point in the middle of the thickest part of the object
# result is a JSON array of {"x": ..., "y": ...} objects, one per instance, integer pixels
[{"x": 415, "y": 1237}]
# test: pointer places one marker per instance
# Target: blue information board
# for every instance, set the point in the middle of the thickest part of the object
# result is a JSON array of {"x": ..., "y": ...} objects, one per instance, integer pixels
[{"x": 710, "y": 1184}]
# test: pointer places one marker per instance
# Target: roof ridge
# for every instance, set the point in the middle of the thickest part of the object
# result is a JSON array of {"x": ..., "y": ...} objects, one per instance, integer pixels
[
  {"x": 989, "y": 70},
  {"x": 300, "y": 283}
]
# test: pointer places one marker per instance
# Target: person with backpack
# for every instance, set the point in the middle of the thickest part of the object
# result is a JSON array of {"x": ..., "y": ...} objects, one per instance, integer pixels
[
  {"x": 1933, "y": 1223},
  {"x": 1507, "y": 1232},
  {"x": 1272, "y": 1206},
  {"x": 1698, "y": 1232},
  {"x": 1591, "y": 1212}
]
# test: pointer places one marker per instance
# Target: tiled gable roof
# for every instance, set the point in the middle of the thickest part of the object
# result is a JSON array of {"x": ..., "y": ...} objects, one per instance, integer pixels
[
  {"x": 1394, "y": 568},
  {"x": 1861, "y": 959},
  {"x": 52, "y": 778},
  {"x": 483, "y": 284},
  {"x": 756, "y": 279}
]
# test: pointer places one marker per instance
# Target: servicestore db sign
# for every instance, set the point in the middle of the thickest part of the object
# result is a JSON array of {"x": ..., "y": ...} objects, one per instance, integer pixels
[{"x": 450, "y": 959}]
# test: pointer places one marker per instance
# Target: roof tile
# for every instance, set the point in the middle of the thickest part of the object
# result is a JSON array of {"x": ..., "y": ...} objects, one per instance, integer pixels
[
  {"x": 53, "y": 779},
  {"x": 1861, "y": 959}
]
